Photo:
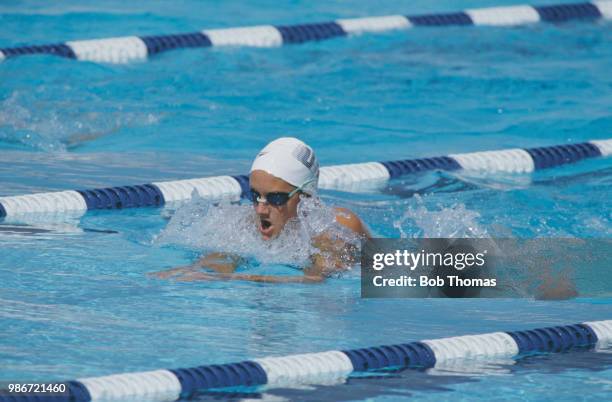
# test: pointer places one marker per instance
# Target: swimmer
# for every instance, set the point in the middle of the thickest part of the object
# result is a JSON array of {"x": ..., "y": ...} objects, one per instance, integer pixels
[{"x": 284, "y": 172}]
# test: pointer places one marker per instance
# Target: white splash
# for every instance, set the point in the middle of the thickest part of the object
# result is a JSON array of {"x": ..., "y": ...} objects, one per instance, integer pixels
[
  {"x": 455, "y": 221},
  {"x": 231, "y": 228}
]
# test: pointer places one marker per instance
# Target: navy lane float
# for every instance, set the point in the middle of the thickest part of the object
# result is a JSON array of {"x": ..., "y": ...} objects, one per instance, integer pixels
[
  {"x": 351, "y": 177},
  {"x": 132, "y": 48},
  {"x": 332, "y": 367}
]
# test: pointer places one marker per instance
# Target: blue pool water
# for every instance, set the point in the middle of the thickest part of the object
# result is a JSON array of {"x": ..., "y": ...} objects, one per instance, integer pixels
[{"x": 75, "y": 300}]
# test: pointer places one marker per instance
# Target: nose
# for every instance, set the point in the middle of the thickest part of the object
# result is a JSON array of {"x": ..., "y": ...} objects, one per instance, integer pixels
[{"x": 262, "y": 208}]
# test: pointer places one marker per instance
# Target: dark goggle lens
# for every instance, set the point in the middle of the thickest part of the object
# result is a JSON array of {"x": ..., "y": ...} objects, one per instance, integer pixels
[{"x": 276, "y": 199}]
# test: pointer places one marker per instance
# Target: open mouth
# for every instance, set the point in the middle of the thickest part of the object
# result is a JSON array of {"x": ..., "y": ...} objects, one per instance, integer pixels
[
  {"x": 265, "y": 228},
  {"x": 265, "y": 224}
]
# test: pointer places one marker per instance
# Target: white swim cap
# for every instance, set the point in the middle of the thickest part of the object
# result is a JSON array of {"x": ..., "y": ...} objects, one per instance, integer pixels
[{"x": 291, "y": 160}]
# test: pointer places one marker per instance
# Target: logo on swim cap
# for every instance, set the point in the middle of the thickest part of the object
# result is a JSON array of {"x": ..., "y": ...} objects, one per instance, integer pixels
[
  {"x": 291, "y": 160},
  {"x": 304, "y": 155}
]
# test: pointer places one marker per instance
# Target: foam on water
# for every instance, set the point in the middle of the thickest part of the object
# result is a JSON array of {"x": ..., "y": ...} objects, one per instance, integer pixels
[{"x": 50, "y": 125}]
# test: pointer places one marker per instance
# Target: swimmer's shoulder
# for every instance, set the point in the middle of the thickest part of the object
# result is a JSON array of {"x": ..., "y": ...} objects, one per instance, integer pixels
[{"x": 350, "y": 220}]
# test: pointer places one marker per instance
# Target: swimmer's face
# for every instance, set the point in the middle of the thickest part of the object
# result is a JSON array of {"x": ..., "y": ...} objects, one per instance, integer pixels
[{"x": 272, "y": 219}]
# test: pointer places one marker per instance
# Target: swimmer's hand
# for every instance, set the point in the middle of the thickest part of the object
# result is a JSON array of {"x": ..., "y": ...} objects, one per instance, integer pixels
[
  {"x": 203, "y": 276},
  {"x": 556, "y": 287}
]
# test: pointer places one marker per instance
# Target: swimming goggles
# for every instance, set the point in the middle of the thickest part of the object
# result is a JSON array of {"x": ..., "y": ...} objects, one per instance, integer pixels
[{"x": 276, "y": 199}]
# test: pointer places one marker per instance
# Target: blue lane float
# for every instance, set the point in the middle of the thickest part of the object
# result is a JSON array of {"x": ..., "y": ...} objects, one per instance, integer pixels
[
  {"x": 544, "y": 157},
  {"x": 133, "y": 48},
  {"x": 351, "y": 177},
  {"x": 146, "y": 195},
  {"x": 554, "y": 339},
  {"x": 331, "y": 367}
]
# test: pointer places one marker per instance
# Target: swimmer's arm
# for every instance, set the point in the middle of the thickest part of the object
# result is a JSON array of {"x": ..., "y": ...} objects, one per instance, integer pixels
[
  {"x": 218, "y": 262},
  {"x": 203, "y": 276},
  {"x": 336, "y": 255},
  {"x": 350, "y": 220},
  {"x": 168, "y": 273},
  {"x": 221, "y": 262}
]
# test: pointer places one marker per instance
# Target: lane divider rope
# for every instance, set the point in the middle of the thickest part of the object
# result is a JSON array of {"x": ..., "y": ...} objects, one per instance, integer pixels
[
  {"x": 133, "y": 48},
  {"x": 333, "y": 366},
  {"x": 350, "y": 177}
]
